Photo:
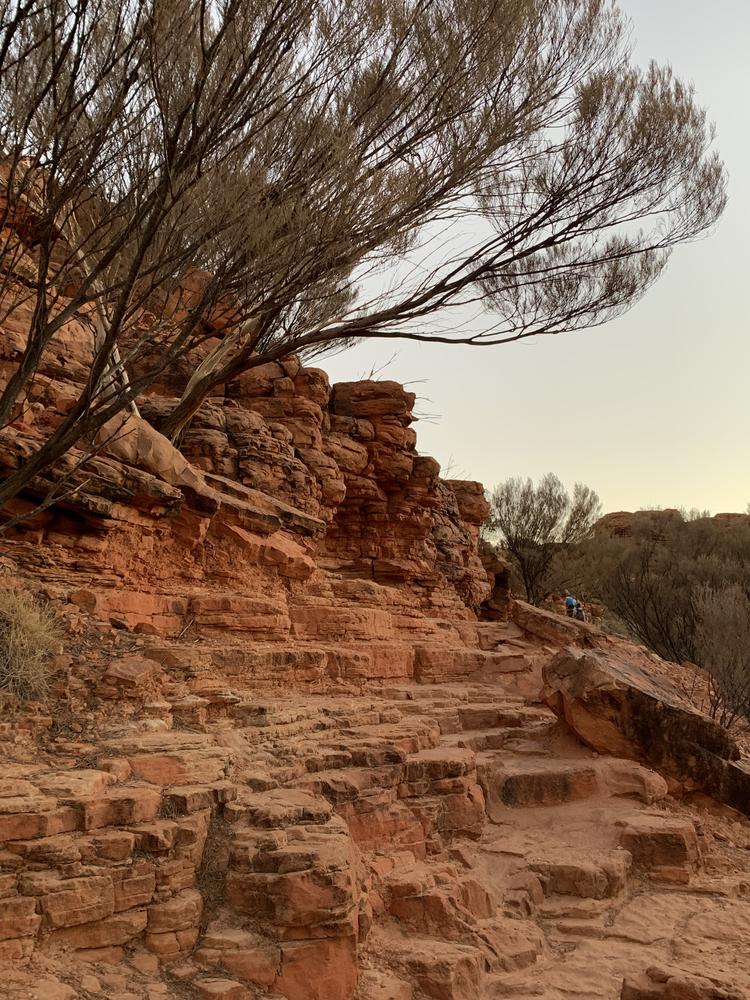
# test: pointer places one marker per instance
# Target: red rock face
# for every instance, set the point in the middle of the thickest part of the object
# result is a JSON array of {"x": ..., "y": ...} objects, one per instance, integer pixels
[
  {"x": 617, "y": 707},
  {"x": 656, "y": 523},
  {"x": 624, "y": 524},
  {"x": 280, "y": 479},
  {"x": 345, "y": 456}
]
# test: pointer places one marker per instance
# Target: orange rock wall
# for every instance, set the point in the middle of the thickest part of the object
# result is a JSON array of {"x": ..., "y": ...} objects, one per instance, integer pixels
[{"x": 296, "y": 513}]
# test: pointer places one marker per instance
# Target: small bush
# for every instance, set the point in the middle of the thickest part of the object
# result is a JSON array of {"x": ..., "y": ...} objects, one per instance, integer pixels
[{"x": 28, "y": 637}]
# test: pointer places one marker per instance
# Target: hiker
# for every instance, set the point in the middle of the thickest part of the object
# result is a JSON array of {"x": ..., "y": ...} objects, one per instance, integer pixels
[
  {"x": 570, "y": 605},
  {"x": 579, "y": 614}
]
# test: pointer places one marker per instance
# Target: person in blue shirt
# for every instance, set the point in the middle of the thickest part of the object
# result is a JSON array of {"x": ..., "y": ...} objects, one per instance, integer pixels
[{"x": 570, "y": 605}]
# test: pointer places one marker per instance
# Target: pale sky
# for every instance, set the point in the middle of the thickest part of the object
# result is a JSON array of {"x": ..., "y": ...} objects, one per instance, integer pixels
[{"x": 652, "y": 409}]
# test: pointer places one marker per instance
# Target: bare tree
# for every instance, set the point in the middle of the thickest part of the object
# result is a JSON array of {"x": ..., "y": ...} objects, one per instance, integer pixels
[
  {"x": 174, "y": 168},
  {"x": 723, "y": 644},
  {"x": 534, "y": 523}
]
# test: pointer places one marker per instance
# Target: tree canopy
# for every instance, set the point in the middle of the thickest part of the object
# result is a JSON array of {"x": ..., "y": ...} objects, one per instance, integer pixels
[
  {"x": 321, "y": 171},
  {"x": 535, "y": 523}
]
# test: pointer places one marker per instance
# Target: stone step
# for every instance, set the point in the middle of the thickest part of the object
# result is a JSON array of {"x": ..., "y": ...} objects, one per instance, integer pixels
[
  {"x": 220, "y": 988},
  {"x": 440, "y": 969},
  {"x": 500, "y": 986},
  {"x": 455, "y": 718},
  {"x": 484, "y": 739},
  {"x": 258, "y": 713},
  {"x": 490, "y": 715},
  {"x": 408, "y": 736},
  {"x": 574, "y": 930},
  {"x": 247, "y": 955},
  {"x": 354, "y": 716},
  {"x": 327, "y": 760},
  {"x": 364, "y": 752},
  {"x": 518, "y": 783},
  {"x": 277, "y": 808},
  {"x": 263, "y": 618},
  {"x": 583, "y": 874},
  {"x": 666, "y": 846},
  {"x": 492, "y": 634},
  {"x": 518, "y": 739},
  {"x": 248, "y": 664},
  {"x": 352, "y": 784},
  {"x": 331, "y": 623},
  {"x": 444, "y": 694},
  {"x": 658, "y": 982},
  {"x": 512, "y": 944},
  {"x": 376, "y": 985},
  {"x": 441, "y": 662},
  {"x": 300, "y": 663},
  {"x": 560, "y": 908},
  {"x": 328, "y": 753},
  {"x": 274, "y": 732}
]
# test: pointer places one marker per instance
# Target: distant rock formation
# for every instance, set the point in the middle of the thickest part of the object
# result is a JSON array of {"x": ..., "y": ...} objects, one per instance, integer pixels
[{"x": 625, "y": 524}]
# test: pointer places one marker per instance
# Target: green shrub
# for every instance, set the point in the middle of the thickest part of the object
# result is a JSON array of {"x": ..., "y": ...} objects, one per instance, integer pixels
[{"x": 28, "y": 636}]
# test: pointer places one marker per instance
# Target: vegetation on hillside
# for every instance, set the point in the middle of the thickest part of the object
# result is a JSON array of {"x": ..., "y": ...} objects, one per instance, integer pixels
[{"x": 678, "y": 582}]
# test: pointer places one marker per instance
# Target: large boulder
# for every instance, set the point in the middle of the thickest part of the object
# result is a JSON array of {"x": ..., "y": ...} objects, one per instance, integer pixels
[{"x": 625, "y": 710}]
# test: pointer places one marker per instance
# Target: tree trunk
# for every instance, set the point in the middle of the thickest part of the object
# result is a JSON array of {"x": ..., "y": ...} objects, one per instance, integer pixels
[{"x": 177, "y": 422}]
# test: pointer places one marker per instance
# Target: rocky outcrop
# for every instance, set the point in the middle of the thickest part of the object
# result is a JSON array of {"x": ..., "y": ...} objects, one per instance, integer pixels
[
  {"x": 434, "y": 841},
  {"x": 349, "y": 534},
  {"x": 278, "y": 452},
  {"x": 657, "y": 523},
  {"x": 626, "y": 524},
  {"x": 616, "y": 707}
]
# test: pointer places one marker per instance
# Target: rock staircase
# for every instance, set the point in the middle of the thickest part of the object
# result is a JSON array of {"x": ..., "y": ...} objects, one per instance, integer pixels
[{"x": 428, "y": 842}]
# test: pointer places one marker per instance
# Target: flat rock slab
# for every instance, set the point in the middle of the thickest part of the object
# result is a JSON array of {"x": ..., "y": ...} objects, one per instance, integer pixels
[
  {"x": 383, "y": 986},
  {"x": 441, "y": 969},
  {"x": 670, "y": 984},
  {"x": 585, "y": 874}
]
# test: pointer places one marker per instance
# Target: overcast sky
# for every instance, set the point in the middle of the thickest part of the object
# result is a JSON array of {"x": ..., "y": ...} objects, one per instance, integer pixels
[{"x": 652, "y": 409}]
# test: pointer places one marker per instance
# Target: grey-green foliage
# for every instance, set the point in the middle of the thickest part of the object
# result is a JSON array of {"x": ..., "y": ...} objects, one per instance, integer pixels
[
  {"x": 723, "y": 648},
  {"x": 534, "y": 524}
]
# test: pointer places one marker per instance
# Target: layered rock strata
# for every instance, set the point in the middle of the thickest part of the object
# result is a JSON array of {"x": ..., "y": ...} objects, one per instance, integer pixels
[{"x": 446, "y": 841}]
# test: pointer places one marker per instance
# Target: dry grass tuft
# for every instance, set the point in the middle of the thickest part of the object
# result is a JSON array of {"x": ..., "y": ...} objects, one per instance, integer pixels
[{"x": 28, "y": 636}]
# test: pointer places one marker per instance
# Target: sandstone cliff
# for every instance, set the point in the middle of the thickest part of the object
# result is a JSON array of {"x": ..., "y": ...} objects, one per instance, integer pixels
[{"x": 284, "y": 485}]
